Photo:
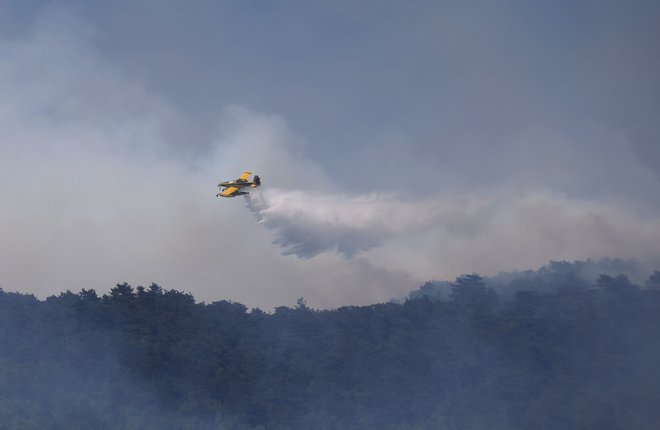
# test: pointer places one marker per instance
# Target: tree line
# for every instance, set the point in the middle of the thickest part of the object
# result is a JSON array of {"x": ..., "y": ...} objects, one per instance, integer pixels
[{"x": 576, "y": 356}]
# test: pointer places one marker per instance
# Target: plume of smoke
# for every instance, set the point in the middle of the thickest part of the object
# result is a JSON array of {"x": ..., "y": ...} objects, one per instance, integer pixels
[
  {"x": 308, "y": 223},
  {"x": 457, "y": 232}
]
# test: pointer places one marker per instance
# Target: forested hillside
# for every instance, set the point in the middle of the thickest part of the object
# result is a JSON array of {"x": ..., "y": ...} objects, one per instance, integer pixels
[{"x": 577, "y": 356}]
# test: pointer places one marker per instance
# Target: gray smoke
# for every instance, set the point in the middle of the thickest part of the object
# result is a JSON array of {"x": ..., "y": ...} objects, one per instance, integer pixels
[
  {"x": 458, "y": 232},
  {"x": 308, "y": 223}
]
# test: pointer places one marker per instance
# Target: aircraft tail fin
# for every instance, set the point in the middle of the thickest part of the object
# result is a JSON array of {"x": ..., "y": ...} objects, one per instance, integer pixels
[{"x": 257, "y": 180}]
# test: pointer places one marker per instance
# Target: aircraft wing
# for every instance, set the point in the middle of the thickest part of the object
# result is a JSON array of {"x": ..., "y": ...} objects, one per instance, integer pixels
[
  {"x": 228, "y": 191},
  {"x": 245, "y": 176}
]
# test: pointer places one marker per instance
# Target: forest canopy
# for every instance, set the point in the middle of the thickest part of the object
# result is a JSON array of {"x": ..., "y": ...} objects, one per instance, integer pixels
[{"x": 551, "y": 352}]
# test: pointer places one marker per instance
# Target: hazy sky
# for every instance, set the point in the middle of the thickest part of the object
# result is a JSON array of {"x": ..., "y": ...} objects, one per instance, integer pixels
[{"x": 397, "y": 141}]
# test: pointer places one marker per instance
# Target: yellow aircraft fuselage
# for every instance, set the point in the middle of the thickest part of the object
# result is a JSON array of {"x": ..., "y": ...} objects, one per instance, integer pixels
[{"x": 233, "y": 188}]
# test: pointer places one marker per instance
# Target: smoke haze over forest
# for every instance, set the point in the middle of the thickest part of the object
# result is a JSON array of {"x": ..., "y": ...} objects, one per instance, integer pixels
[
  {"x": 547, "y": 349},
  {"x": 461, "y": 199}
]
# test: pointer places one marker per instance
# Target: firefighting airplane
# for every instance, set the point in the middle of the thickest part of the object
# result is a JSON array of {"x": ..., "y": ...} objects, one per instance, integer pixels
[{"x": 233, "y": 188}]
